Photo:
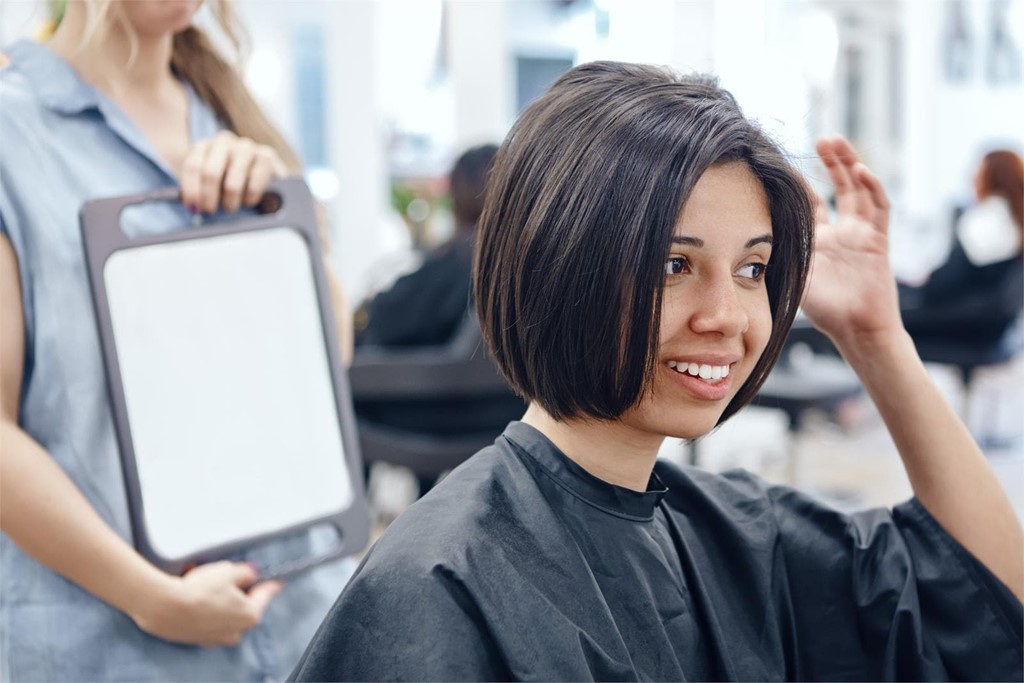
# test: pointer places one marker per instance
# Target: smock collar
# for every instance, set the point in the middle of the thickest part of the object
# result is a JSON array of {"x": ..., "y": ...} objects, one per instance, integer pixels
[
  {"x": 57, "y": 85},
  {"x": 531, "y": 444}
]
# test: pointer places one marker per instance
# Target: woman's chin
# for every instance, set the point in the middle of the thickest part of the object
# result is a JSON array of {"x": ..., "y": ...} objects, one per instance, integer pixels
[{"x": 689, "y": 434}]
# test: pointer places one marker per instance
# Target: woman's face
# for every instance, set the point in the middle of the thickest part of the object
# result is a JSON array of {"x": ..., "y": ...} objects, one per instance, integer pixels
[
  {"x": 715, "y": 318},
  {"x": 152, "y": 18}
]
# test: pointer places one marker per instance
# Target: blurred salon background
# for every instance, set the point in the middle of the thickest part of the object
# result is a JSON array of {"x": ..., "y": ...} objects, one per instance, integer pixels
[{"x": 380, "y": 97}]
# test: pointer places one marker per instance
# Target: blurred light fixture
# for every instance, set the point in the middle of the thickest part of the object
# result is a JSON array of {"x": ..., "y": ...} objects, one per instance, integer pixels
[
  {"x": 323, "y": 183},
  {"x": 263, "y": 74}
]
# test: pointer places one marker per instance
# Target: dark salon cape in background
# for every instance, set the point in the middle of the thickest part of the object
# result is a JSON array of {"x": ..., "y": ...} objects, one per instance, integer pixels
[{"x": 521, "y": 565}]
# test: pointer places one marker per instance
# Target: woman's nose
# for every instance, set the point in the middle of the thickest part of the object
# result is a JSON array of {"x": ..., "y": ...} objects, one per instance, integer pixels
[{"x": 719, "y": 309}]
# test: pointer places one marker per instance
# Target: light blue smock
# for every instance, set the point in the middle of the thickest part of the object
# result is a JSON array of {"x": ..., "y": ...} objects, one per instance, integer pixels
[{"x": 62, "y": 143}]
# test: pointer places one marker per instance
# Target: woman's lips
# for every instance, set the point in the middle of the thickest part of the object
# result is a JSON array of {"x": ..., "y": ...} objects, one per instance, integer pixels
[{"x": 705, "y": 389}]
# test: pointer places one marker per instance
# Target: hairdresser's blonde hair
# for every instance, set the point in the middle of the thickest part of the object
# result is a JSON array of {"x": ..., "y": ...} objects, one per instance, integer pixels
[{"x": 195, "y": 58}]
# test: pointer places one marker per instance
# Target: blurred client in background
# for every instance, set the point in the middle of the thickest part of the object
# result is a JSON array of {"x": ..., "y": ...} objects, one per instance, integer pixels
[
  {"x": 428, "y": 305},
  {"x": 978, "y": 292}
]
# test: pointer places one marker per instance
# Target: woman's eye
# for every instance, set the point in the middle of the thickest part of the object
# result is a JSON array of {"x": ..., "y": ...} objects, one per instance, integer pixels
[
  {"x": 675, "y": 265},
  {"x": 753, "y": 271}
]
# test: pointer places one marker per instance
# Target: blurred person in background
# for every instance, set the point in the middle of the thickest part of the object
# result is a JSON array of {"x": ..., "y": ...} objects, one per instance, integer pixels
[
  {"x": 978, "y": 292},
  {"x": 428, "y": 305},
  {"x": 123, "y": 98}
]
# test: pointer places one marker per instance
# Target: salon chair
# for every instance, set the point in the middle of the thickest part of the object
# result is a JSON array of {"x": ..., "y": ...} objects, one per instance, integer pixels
[
  {"x": 430, "y": 408},
  {"x": 966, "y": 358},
  {"x": 809, "y": 375}
]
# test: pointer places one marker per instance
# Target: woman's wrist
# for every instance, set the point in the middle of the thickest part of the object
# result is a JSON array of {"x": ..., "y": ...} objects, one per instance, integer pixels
[
  {"x": 865, "y": 350},
  {"x": 887, "y": 365},
  {"x": 156, "y": 593}
]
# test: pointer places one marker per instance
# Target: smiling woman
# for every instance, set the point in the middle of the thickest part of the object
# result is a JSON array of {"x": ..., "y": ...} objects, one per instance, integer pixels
[
  {"x": 716, "y": 317},
  {"x": 642, "y": 253}
]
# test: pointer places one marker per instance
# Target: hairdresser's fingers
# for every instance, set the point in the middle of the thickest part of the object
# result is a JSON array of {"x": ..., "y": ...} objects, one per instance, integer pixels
[
  {"x": 839, "y": 174},
  {"x": 260, "y": 596},
  {"x": 236, "y": 178},
  {"x": 190, "y": 170},
  {"x": 265, "y": 168},
  {"x": 878, "y": 198},
  {"x": 211, "y": 177}
]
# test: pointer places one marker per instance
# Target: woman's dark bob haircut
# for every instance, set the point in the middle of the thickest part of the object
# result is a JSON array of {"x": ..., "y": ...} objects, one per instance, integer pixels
[{"x": 581, "y": 204}]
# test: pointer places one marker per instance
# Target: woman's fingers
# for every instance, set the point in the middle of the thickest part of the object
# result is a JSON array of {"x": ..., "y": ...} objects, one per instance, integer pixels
[
  {"x": 237, "y": 178},
  {"x": 840, "y": 175},
  {"x": 863, "y": 204},
  {"x": 228, "y": 172},
  {"x": 211, "y": 177},
  {"x": 264, "y": 169},
  {"x": 875, "y": 192},
  {"x": 858, "y": 192},
  {"x": 191, "y": 169},
  {"x": 261, "y": 595}
]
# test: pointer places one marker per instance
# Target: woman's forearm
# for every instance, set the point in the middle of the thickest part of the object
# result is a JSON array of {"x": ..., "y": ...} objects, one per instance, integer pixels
[
  {"x": 46, "y": 515},
  {"x": 947, "y": 470}
]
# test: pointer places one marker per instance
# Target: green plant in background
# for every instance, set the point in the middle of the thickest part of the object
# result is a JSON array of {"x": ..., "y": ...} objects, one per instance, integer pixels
[
  {"x": 55, "y": 9},
  {"x": 401, "y": 197},
  {"x": 54, "y": 15},
  {"x": 419, "y": 204}
]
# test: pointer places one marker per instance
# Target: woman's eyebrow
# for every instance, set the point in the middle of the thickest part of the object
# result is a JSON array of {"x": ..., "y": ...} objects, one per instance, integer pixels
[{"x": 696, "y": 242}]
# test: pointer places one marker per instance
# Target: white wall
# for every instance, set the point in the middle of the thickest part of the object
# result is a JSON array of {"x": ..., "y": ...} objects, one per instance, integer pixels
[
  {"x": 20, "y": 18},
  {"x": 480, "y": 71},
  {"x": 947, "y": 125}
]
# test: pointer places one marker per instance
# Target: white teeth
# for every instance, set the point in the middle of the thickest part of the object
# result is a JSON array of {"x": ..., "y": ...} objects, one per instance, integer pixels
[{"x": 706, "y": 372}]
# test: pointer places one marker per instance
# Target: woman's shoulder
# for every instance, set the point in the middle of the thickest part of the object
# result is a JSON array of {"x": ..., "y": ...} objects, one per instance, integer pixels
[
  {"x": 733, "y": 485},
  {"x": 21, "y": 102},
  {"x": 490, "y": 511},
  {"x": 14, "y": 85},
  {"x": 457, "y": 513},
  {"x": 736, "y": 497}
]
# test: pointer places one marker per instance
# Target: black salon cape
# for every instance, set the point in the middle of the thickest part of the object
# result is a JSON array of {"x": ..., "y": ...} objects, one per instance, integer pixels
[{"x": 521, "y": 565}]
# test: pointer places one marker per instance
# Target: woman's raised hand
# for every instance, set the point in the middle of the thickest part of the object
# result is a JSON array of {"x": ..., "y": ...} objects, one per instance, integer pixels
[
  {"x": 228, "y": 172},
  {"x": 851, "y": 295},
  {"x": 211, "y": 605}
]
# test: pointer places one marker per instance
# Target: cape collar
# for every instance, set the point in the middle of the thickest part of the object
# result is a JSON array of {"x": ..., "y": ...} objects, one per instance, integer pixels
[{"x": 615, "y": 500}]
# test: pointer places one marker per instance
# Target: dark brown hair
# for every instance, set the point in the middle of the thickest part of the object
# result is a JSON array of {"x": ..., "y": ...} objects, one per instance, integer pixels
[
  {"x": 467, "y": 182},
  {"x": 581, "y": 205}
]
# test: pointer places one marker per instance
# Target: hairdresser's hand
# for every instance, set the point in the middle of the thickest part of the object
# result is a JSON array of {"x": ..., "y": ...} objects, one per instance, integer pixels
[
  {"x": 852, "y": 295},
  {"x": 228, "y": 172},
  {"x": 209, "y": 605}
]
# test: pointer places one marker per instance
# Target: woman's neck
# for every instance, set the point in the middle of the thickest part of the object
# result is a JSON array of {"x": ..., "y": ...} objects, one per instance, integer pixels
[
  {"x": 109, "y": 64},
  {"x": 606, "y": 449}
]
